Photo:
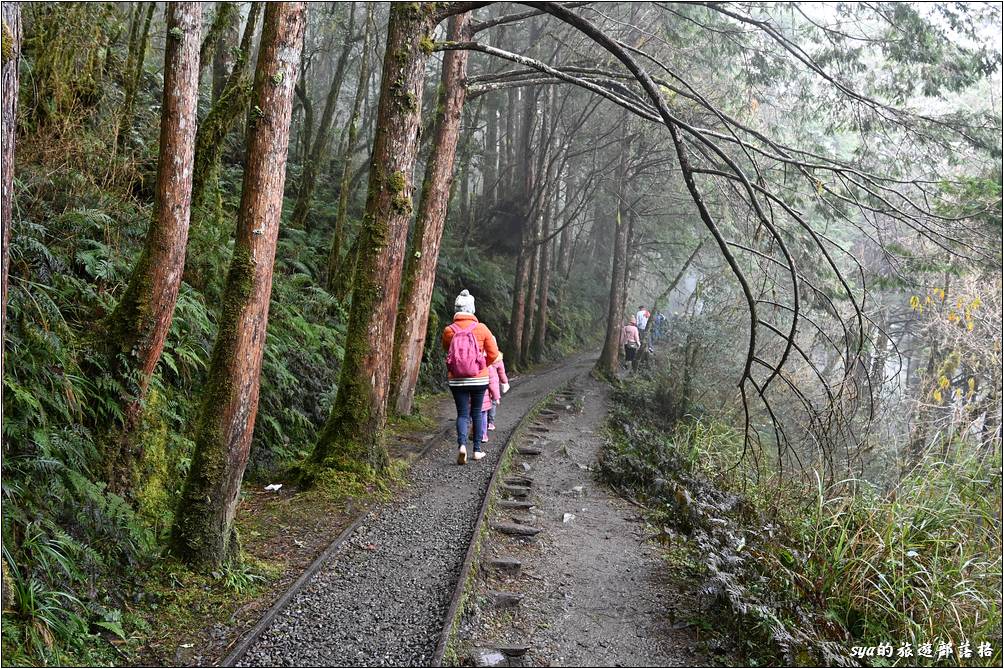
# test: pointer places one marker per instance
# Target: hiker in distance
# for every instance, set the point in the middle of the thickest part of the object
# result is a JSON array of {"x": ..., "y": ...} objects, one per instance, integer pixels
[{"x": 470, "y": 348}]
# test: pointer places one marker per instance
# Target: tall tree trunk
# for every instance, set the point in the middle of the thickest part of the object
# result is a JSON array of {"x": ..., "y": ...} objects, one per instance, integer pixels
[
  {"x": 138, "y": 327},
  {"x": 517, "y": 316},
  {"x": 540, "y": 199},
  {"x": 226, "y": 19},
  {"x": 9, "y": 77},
  {"x": 319, "y": 149},
  {"x": 134, "y": 72},
  {"x": 531, "y": 293},
  {"x": 544, "y": 271},
  {"x": 344, "y": 183},
  {"x": 223, "y": 54},
  {"x": 209, "y": 230},
  {"x": 204, "y": 535},
  {"x": 420, "y": 265},
  {"x": 351, "y": 438},
  {"x": 607, "y": 364},
  {"x": 628, "y": 264},
  {"x": 307, "y": 124},
  {"x": 509, "y": 172},
  {"x": 490, "y": 170}
]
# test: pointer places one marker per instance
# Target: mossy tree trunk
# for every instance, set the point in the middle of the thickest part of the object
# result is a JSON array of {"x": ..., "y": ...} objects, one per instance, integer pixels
[
  {"x": 11, "y": 37},
  {"x": 345, "y": 181},
  {"x": 351, "y": 438},
  {"x": 204, "y": 535},
  {"x": 138, "y": 327},
  {"x": 209, "y": 229},
  {"x": 319, "y": 149},
  {"x": 218, "y": 46},
  {"x": 420, "y": 264}
]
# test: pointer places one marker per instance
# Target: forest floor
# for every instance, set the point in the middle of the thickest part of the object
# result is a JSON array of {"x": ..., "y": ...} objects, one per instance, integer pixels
[
  {"x": 597, "y": 592},
  {"x": 594, "y": 591}
]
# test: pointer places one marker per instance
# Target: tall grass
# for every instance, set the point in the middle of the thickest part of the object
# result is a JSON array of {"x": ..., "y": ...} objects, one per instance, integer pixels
[{"x": 807, "y": 571}]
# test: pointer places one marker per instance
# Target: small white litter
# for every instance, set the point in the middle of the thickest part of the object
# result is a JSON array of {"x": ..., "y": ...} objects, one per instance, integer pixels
[
  {"x": 568, "y": 517},
  {"x": 273, "y": 487}
]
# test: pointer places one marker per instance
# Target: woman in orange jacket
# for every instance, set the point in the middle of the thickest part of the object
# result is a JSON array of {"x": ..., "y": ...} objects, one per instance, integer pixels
[{"x": 470, "y": 348}]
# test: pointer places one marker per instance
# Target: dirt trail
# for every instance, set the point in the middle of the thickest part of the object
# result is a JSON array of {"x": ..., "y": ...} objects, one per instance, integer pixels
[
  {"x": 381, "y": 598},
  {"x": 594, "y": 593}
]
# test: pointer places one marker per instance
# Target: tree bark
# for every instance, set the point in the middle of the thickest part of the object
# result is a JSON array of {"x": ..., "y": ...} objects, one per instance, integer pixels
[
  {"x": 420, "y": 264},
  {"x": 351, "y": 438},
  {"x": 9, "y": 77},
  {"x": 318, "y": 151},
  {"x": 138, "y": 327},
  {"x": 204, "y": 535},
  {"x": 344, "y": 183}
]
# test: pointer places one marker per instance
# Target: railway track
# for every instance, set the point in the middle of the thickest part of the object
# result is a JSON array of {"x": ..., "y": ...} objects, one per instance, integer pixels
[{"x": 387, "y": 591}]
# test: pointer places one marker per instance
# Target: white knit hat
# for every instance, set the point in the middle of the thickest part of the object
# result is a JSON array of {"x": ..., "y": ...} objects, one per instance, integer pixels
[{"x": 464, "y": 303}]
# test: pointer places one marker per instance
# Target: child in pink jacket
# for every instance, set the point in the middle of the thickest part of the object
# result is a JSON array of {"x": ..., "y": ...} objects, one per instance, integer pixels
[{"x": 498, "y": 383}]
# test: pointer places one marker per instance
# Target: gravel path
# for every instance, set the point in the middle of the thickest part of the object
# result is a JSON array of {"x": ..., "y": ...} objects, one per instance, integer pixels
[
  {"x": 595, "y": 593},
  {"x": 381, "y": 599}
]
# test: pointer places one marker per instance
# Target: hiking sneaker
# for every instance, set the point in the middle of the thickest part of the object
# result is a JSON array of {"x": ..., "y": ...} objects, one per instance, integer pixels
[
  {"x": 462, "y": 456},
  {"x": 478, "y": 455},
  {"x": 491, "y": 426},
  {"x": 484, "y": 439}
]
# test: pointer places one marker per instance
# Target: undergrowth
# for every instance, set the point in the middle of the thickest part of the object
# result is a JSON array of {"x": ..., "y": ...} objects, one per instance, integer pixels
[{"x": 797, "y": 572}]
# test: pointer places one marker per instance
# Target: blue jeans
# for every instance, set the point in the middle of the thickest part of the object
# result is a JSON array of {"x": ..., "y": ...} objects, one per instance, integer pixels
[{"x": 469, "y": 400}]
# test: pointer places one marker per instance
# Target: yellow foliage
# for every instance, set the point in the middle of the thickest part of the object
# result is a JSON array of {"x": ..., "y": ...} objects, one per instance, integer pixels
[
  {"x": 937, "y": 396},
  {"x": 943, "y": 382}
]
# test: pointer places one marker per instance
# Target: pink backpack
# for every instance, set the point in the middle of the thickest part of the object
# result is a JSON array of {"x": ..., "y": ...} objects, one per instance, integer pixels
[{"x": 464, "y": 359}]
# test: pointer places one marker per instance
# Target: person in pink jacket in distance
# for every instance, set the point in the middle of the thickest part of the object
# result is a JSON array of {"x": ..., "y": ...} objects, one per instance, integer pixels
[{"x": 630, "y": 340}]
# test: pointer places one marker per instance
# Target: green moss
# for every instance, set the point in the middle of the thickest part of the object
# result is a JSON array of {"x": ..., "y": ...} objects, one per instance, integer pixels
[
  {"x": 397, "y": 182},
  {"x": 176, "y": 33},
  {"x": 427, "y": 44},
  {"x": 402, "y": 205},
  {"x": 154, "y": 489},
  {"x": 7, "y": 44}
]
